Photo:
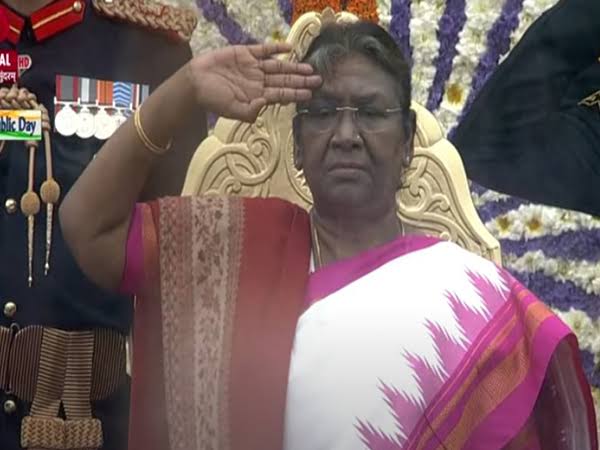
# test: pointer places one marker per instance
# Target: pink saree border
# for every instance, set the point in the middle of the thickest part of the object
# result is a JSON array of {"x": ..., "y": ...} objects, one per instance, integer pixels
[
  {"x": 503, "y": 335},
  {"x": 499, "y": 427},
  {"x": 333, "y": 277},
  {"x": 585, "y": 388},
  {"x": 503, "y": 318},
  {"x": 524, "y": 326}
]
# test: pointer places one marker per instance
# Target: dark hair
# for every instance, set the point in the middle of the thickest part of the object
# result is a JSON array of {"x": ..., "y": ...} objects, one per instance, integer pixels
[{"x": 339, "y": 40}]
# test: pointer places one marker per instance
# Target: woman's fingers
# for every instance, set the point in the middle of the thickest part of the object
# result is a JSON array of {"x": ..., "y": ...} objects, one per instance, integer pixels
[
  {"x": 292, "y": 81},
  {"x": 286, "y": 95},
  {"x": 278, "y": 66},
  {"x": 266, "y": 50}
]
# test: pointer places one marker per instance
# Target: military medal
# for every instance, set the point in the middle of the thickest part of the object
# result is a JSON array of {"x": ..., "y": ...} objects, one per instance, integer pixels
[
  {"x": 66, "y": 119},
  {"x": 118, "y": 119},
  {"x": 104, "y": 124},
  {"x": 86, "y": 126},
  {"x": 144, "y": 93},
  {"x": 124, "y": 94},
  {"x": 116, "y": 101},
  {"x": 139, "y": 93}
]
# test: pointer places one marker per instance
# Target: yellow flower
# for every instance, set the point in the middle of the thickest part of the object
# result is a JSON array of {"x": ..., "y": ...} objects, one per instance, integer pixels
[
  {"x": 277, "y": 36},
  {"x": 530, "y": 262},
  {"x": 454, "y": 93},
  {"x": 503, "y": 223},
  {"x": 534, "y": 224},
  {"x": 563, "y": 268},
  {"x": 576, "y": 322}
]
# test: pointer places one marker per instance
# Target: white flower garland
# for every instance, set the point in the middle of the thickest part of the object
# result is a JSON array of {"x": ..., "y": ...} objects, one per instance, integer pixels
[
  {"x": 384, "y": 11},
  {"x": 206, "y": 37},
  {"x": 586, "y": 329},
  {"x": 532, "y": 9},
  {"x": 584, "y": 274},
  {"x": 481, "y": 15},
  {"x": 261, "y": 19},
  {"x": 425, "y": 16},
  {"x": 530, "y": 221},
  {"x": 487, "y": 197}
]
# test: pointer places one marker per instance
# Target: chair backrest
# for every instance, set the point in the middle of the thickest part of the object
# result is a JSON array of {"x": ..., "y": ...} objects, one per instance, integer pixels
[{"x": 256, "y": 160}]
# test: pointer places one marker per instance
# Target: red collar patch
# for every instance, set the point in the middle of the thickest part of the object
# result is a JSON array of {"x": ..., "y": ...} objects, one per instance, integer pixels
[{"x": 47, "y": 21}]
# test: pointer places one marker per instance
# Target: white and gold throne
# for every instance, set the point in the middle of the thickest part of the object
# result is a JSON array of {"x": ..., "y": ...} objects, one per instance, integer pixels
[{"x": 256, "y": 160}]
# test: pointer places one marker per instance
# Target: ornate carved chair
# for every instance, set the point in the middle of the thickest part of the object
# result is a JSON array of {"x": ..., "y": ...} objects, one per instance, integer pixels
[{"x": 256, "y": 160}]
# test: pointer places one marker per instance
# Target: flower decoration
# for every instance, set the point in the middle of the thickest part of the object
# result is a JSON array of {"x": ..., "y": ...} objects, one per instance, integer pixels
[
  {"x": 455, "y": 94},
  {"x": 259, "y": 18},
  {"x": 425, "y": 16},
  {"x": 503, "y": 225},
  {"x": 384, "y": 11},
  {"x": 471, "y": 46},
  {"x": 365, "y": 9}
]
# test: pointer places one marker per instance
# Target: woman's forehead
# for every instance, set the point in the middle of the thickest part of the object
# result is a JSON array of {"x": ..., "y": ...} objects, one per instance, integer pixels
[
  {"x": 338, "y": 90},
  {"x": 369, "y": 95},
  {"x": 358, "y": 78}
]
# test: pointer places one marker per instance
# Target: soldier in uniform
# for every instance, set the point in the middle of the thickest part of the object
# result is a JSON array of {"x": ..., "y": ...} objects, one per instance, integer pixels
[
  {"x": 89, "y": 63},
  {"x": 533, "y": 130}
]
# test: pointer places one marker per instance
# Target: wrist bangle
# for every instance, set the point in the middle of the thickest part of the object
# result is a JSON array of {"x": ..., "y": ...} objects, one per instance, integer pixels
[{"x": 151, "y": 146}]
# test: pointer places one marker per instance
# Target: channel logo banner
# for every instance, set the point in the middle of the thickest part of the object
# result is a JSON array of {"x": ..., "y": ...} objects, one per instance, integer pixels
[
  {"x": 9, "y": 65},
  {"x": 20, "y": 125}
]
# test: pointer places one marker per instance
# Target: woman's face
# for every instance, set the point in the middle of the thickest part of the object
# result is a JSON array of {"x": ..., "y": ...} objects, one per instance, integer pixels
[{"x": 354, "y": 163}]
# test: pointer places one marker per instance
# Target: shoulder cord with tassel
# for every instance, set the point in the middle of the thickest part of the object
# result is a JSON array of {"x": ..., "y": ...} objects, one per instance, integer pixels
[{"x": 21, "y": 98}]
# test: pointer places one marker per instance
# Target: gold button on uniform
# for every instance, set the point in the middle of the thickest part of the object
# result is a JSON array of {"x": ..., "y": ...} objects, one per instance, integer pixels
[
  {"x": 10, "y": 205},
  {"x": 77, "y": 6},
  {"x": 10, "y": 407},
  {"x": 10, "y": 309}
]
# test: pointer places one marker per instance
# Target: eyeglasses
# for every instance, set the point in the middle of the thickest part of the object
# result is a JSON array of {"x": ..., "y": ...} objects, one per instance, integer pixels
[{"x": 367, "y": 119}]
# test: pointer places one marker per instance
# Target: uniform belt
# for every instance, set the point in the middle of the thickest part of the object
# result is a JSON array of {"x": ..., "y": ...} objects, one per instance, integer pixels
[{"x": 49, "y": 368}]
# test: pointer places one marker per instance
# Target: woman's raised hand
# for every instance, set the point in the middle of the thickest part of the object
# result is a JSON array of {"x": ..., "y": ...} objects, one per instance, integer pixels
[{"x": 237, "y": 81}]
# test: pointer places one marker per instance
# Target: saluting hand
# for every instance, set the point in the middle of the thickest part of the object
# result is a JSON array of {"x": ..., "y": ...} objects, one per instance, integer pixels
[{"x": 237, "y": 81}]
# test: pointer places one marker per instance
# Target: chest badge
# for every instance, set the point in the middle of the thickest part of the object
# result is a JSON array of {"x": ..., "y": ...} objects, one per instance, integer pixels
[
  {"x": 89, "y": 108},
  {"x": 591, "y": 100}
]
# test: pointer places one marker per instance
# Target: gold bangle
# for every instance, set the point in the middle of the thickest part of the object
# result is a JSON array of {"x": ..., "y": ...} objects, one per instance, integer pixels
[{"x": 151, "y": 146}]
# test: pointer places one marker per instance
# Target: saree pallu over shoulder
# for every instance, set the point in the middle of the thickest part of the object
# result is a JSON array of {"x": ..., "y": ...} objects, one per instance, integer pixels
[
  {"x": 520, "y": 386},
  {"x": 224, "y": 283}
]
